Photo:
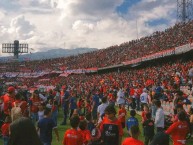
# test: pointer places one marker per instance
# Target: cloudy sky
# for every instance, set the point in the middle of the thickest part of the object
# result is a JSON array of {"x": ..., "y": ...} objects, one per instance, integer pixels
[{"x": 82, "y": 23}]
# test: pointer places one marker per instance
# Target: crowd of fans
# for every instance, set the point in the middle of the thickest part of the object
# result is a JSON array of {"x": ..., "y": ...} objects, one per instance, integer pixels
[
  {"x": 90, "y": 100},
  {"x": 179, "y": 34}
]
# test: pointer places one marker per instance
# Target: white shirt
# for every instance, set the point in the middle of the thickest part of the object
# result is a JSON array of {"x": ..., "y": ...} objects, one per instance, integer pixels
[
  {"x": 101, "y": 108},
  {"x": 120, "y": 97},
  {"x": 40, "y": 115},
  {"x": 42, "y": 97},
  {"x": 159, "y": 118},
  {"x": 144, "y": 97}
]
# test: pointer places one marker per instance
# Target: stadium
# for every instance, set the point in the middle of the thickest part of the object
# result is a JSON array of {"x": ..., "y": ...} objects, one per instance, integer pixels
[{"x": 90, "y": 98}]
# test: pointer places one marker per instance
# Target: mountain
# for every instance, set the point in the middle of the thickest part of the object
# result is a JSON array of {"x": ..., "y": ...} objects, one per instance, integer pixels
[{"x": 52, "y": 53}]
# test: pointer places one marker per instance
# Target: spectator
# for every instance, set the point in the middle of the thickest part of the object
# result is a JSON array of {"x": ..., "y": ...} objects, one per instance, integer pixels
[
  {"x": 5, "y": 130},
  {"x": 95, "y": 104},
  {"x": 111, "y": 128},
  {"x": 8, "y": 99},
  {"x": 95, "y": 137},
  {"x": 131, "y": 121},
  {"x": 159, "y": 118},
  {"x": 35, "y": 101},
  {"x": 160, "y": 138},
  {"x": 65, "y": 105},
  {"x": 179, "y": 130},
  {"x": 133, "y": 140},
  {"x": 144, "y": 98},
  {"x": 72, "y": 136},
  {"x": 23, "y": 132},
  {"x": 45, "y": 126},
  {"x": 91, "y": 125},
  {"x": 148, "y": 126},
  {"x": 191, "y": 120},
  {"x": 122, "y": 114},
  {"x": 84, "y": 132},
  {"x": 73, "y": 102},
  {"x": 101, "y": 108}
]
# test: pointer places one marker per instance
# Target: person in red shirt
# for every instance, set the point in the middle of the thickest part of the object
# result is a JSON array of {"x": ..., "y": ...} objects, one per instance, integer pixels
[
  {"x": 72, "y": 136},
  {"x": 85, "y": 132},
  {"x": 133, "y": 140},
  {"x": 111, "y": 128},
  {"x": 5, "y": 130},
  {"x": 121, "y": 115},
  {"x": 35, "y": 101},
  {"x": 21, "y": 104},
  {"x": 144, "y": 112},
  {"x": 179, "y": 130},
  {"x": 8, "y": 99}
]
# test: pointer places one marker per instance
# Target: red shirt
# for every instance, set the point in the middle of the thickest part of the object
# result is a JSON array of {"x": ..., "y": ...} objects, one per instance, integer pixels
[
  {"x": 143, "y": 115},
  {"x": 5, "y": 129},
  {"x": 121, "y": 112},
  {"x": 132, "y": 141},
  {"x": 178, "y": 131},
  {"x": 35, "y": 103},
  {"x": 72, "y": 137},
  {"x": 7, "y": 100},
  {"x": 86, "y": 136},
  {"x": 88, "y": 107}
]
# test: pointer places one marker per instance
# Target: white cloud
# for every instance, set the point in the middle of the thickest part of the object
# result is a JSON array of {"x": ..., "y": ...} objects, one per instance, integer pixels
[{"x": 78, "y": 23}]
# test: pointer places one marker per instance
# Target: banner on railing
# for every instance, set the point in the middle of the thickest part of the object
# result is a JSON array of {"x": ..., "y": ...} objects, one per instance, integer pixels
[
  {"x": 151, "y": 56},
  {"x": 183, "y": 49}
]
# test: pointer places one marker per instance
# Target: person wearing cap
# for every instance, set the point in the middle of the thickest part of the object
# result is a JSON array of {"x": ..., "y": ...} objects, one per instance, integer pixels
[
  {"x": 179, "y": 130},
  {"x": 8, "y": 99}
]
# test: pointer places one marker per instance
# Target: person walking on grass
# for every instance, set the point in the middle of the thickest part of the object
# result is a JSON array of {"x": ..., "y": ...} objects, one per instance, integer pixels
[
  {"x": 133, "y": 140},
  {"x": 45, "y": 126},
  {"x": 73, "y": 136}
]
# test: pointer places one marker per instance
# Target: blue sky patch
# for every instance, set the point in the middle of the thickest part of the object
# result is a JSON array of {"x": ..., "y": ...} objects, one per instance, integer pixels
[
  {"x": 123, "y": 8},
  {"x": 157, "y": 22}
]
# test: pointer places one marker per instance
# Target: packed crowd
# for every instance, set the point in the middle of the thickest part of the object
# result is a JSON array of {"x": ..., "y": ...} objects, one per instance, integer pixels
[
  {"x": 28, "y": 115},
  {"x": 89, "y": 101},
  {"x": 178, "y": 35}
]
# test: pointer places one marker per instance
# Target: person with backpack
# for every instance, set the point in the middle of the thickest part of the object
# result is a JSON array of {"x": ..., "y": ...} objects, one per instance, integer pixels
[
  {"x": 111, "y": 128},
  {"x": 19, "y": 108}
]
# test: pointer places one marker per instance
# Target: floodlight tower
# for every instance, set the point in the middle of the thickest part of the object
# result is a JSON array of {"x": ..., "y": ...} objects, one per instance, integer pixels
[
  {"x": 184, "y": 10},
  {"x": 14, "y": 48}
]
